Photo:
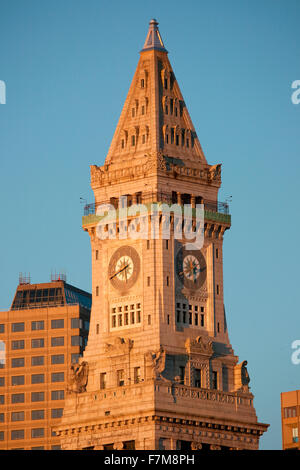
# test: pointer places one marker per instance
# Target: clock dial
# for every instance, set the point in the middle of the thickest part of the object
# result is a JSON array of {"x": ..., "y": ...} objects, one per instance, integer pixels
[
  {"x": 124, "y": 267},
  {"x": 190, "y": 268}
]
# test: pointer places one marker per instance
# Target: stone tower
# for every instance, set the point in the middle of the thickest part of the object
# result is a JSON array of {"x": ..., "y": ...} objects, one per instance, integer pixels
[{"x": 158, "y": 371}]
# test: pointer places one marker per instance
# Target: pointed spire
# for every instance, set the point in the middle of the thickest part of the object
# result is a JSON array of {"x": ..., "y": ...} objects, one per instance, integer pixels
[{"x": 153, "y": 39}]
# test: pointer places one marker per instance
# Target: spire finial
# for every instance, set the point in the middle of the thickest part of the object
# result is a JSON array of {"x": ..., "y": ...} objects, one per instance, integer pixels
[{"x": 153, "y": 39}]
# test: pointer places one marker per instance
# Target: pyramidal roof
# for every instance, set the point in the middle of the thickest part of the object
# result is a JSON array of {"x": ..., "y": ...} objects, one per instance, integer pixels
[{"x": 154, "y": 118}]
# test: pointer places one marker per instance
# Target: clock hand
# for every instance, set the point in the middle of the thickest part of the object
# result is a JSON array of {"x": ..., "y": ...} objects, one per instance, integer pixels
[{"x": 118, "y": 272}]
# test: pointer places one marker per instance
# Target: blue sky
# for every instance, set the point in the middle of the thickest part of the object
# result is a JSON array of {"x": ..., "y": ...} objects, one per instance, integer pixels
[{"x": 68, "y": 66}]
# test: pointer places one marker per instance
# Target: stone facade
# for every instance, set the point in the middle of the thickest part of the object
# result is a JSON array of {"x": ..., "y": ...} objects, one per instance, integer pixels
[{"x": 162, "y": 373}]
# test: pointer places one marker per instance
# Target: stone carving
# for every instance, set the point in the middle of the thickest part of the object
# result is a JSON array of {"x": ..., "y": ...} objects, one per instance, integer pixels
[
  {"x": 155, "y": 161},
  {"x": 245, "y": 376},
  {"x": 242, "y": 377},
  {"x": 156, "y": 362},
  {"x": 196, "y": 446},
  {"x": 214, "y": 172},
  {"x": 119, "y": 346},
  {"x": 201, "y": 345},
  {"x": 78, "y": 378}
]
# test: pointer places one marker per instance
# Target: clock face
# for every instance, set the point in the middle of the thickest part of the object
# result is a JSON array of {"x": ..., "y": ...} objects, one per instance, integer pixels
[
  {"x": 124, "y": 267},
  {"x": 190, "y": 268}
]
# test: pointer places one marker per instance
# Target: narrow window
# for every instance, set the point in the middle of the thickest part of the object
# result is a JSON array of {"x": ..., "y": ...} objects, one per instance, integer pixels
[
  {"x": 218, "y": 290},
  {"x": 196, "y": 319},
  {"x": 166, "y": 109},
  {"x": 148, "y": 244},
  {"x": 133, "y": 112},
  {"x": 137, "y": 375},
  {"x": 97, "y": 290},
  {"x": 120, "y": 378},
  {"x": 187, "y": 142},
  {"x": 197, "y": 378},
  {"x": 142, "y": 83},
  {"x": 133, "y": 140},
  {"x": 122, "y": 143},
  {"x": 168, "y": 319},
  {"x": 167, "y": 281},
  {"x": 148, "y": 281},
  {"x": 166, "y": 83},
  {"x": 144, "y": 138},
  {"x": 217, "y": 253},
  {"x": 167, "y": 244},
  {"x": 202, "y": 320},
  {"x": 177, "y": 139},
  {"x": 97, "y": 329},
  {"x": 149, "y": 319},
  {"x": 182, "y": 374},
  {"x": 103, "y": 380},
  {"x": 143, "y": 109},
  {"x": 214, "y": 379}
]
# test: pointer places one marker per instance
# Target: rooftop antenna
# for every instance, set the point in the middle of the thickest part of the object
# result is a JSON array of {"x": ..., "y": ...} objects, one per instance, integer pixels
[{"x": 24, "y": 278}]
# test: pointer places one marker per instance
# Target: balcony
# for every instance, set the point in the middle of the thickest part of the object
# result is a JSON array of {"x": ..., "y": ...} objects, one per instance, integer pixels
[{"x": 213, "y": 210}]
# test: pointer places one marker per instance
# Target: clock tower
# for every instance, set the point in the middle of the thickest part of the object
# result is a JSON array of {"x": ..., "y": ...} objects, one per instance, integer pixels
[{"x": 158, "y": 371}]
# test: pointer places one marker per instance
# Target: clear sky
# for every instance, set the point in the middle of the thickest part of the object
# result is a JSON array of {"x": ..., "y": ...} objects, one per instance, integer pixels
[{"x": 68, "y": 65}]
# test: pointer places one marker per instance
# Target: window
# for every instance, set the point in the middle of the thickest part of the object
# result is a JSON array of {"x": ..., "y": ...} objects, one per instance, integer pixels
[
  {"x": 18, "y": 362},
  {"x": 143, "y": 138},
  {"x": 103, "y": 380},
  {"x": 97, "y": 291},
  {"x": 17, "y": 416},
  {"x": 58, "y": 359},
  {"x": 37, "y": 396},
  {"x": 2, "y": 381},
  {"x": 37, "y": 343},
  {"x": 2, "y": 328},
  {"x": 37, "y": 360},
  {"x": 76, "y": 323},
  {"x": 17, "y": 434},
  {"x": 57, "y": 395},
  {"x": 2, "y": 400},
  {"x": 20, "y": 344},
  {"x": 182, "y": 374},
  {"x": 76, "y": 341},
  {"x": 120, "y": 378},
  {"x": 214, "y": 380},
  {"x": 75, "y": 358},
  {"x": 37, "y": 448},
  {"x": 149, "y": 319},
  {"x": 122, "y": 146},
  {"x": 290, "y": 412},
  {"x": 56, "y": 447},
  {"x": 56, "y": 412},
  {"x": 133, "y": 112},
  {"x": 37, "y": 414},
  {"x": 295, "y": 434},
  {"x": 142, "y": 83},
  {"x": 97, "y": 328},
  {"x": 57, "y": 377},
  {"x": 143, "y": 109},
  {"x": 97, "y": 252},
  {"x": 18, "y": 380},
  {"x": 59, "y": 341},
  {"x": 37, "y": 432},
  {"x": 133, "y": 140},
  {"x": 197, "y": 378},
  {"x": 129, "y": 445},
  {"x": 218, "y": 290},
  {"x": 18, "y": 398},
  {"x": 1, "y": 417},
  {"x": 148, "y": 281},
  {"x": 166, "y": 83},
  {"x": 217, "y": 253},
  {"x": 16, "y": 327},
  {"x": 137, "y": 375},
  {"x": 37, "y": 378},
  {"x": 167, "y": 281},
  {"x": 58, "y": 323},
  {"x": 37, "y": 325}
]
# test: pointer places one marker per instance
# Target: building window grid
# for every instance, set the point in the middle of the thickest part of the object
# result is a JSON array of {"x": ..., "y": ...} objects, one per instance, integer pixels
[
  {"x": 128, "y": 315},
  {"x": 190, "y": 314}
]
